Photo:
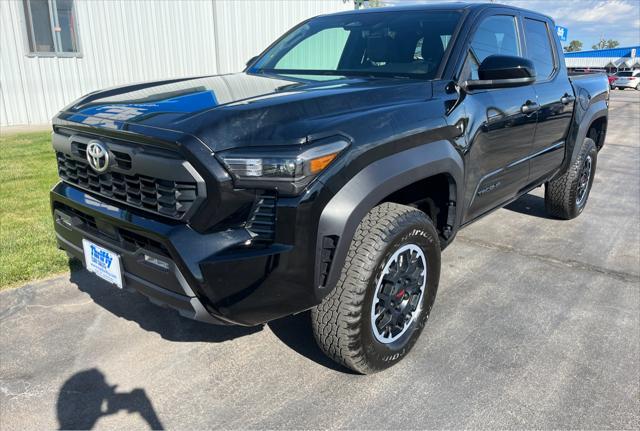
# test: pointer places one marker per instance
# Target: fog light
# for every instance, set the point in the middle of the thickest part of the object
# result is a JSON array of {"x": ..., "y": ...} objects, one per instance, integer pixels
[{"x": 156, "y": 262}]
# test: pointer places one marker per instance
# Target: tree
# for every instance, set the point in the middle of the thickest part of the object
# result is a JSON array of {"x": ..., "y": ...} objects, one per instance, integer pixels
[
  {"x": 367, "y": 3},
  {"x": 612, "y": 43},
  {"x": 601, "y": 44},
  {"x": 574, "y": 45},
  {"x": 604, "y": 43}
]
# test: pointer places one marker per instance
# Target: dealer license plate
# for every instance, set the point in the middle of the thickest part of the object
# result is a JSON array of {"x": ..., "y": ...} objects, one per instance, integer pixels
[{"x": 102, "y": 262}]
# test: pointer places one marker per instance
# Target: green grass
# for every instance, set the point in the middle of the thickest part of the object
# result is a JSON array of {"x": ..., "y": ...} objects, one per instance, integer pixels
[{"x": 27, "y": 242}]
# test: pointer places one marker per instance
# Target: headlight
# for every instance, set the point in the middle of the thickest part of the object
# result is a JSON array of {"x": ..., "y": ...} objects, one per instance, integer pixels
[{"x": 287, "y": 170}]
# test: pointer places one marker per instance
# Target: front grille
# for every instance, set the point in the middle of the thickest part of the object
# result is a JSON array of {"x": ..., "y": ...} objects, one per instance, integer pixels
[
  {"x": 88, "y": 221},
  {"x": 262, "y": 221},
  {"x": 166, "y": 197},
  {"x": 134, "y": 241},
  {"x": 129, "y": 239}
]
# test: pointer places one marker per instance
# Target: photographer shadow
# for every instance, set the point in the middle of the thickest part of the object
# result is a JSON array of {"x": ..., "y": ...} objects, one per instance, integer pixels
[{"x": 86, "y": 397}]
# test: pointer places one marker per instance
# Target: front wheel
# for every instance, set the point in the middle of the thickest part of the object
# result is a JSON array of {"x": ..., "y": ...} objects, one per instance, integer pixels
[
  {"x": 566, "y": 196},
  {"x": 388, "y": 284}
]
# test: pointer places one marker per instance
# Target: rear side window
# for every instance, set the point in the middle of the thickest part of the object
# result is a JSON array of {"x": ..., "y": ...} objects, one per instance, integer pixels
[
  {"x": 539, "y": 48},
  {"x": 496, "y": 35}
]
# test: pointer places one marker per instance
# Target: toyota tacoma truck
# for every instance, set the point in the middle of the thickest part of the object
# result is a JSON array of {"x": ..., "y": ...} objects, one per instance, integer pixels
[{"x": 330, "y": 174}]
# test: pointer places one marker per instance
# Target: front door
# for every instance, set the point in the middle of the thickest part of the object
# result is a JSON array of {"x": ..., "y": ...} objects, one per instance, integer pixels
[{"x": 500, "y": 134}]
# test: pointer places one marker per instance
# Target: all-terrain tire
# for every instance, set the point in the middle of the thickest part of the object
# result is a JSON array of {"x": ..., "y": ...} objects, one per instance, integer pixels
[
  {"x": 561, "y": 195},
  {"x": 342, "y": 323}
]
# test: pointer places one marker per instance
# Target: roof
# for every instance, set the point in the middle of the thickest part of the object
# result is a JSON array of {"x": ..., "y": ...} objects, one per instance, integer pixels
[
  {"x": 624, "y": 52},
  {"x": 452, "y": 6},
  {"x": 430, "y": 6},
  {"x": 413, "y": 6}
]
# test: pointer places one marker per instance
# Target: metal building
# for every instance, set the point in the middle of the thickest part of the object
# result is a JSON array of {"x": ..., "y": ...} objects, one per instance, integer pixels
[
  {"x": 612, "y": 60},
  {"x": 54, "y": 51}
]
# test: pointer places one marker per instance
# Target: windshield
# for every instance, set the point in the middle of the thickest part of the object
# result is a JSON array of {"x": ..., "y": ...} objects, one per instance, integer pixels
[
  {"x": 397, "y": 43},
  {"x": 625, "y": 73}
]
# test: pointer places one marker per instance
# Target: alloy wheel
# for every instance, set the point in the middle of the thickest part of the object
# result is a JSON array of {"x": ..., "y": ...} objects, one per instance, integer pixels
[
  {"x": 583, "y": 181},
  {"x": 398, "y": 296}
]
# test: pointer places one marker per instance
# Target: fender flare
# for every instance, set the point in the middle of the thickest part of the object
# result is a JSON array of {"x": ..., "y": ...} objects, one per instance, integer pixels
[
  {"x": 595, "y": 112},
  {"x": 343, "y": 213}
]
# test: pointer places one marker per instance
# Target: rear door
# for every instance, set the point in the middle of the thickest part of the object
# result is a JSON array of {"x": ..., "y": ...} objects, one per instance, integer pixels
[
  {"x": 554, "y": 94},
  {"x": 500, "y": 135}
]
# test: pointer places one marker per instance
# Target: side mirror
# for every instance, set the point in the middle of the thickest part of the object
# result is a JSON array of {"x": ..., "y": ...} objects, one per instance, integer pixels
[
  {"x": 501, "y": 71},
  {"x": 251, "y": 60}
]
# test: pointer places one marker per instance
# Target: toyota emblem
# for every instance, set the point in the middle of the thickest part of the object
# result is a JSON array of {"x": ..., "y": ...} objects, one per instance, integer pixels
[{"x": 98, "y": 156}]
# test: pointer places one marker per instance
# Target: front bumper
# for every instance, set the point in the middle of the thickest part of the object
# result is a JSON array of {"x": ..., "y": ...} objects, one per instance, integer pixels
[{"x": 213, "y": 277}]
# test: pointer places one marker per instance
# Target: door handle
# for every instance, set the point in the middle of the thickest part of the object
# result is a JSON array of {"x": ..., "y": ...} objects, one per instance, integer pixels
[
  {"x": 530, "y": 107},
  {"x": 566, "y": 99}
]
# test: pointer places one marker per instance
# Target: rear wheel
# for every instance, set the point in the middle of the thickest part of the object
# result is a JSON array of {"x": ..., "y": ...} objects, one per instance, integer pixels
[
  {"x": 566, "y": 196},
  {"x": 376, "y": 312}
]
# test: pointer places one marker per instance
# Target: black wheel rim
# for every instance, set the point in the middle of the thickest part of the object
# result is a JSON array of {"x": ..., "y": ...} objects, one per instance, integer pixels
[
  {"x": 398, "y": 296},
  {"x": 583, "y": 181}
]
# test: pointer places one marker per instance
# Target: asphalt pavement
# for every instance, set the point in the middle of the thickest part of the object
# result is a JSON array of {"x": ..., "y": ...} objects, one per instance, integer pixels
[{"x": 536, "y": 325}]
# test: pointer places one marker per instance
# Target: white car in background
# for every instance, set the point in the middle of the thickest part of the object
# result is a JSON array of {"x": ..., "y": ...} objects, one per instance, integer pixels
[{"x": 628, "y": 79}]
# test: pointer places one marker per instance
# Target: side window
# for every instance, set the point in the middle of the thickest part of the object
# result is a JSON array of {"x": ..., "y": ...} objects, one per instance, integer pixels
[
  {"x": 539, "y": 49},
  {"x": 313, "y": 53},
  {"x": 496, "y": 35},
  {"x": 51, "y": 27}
]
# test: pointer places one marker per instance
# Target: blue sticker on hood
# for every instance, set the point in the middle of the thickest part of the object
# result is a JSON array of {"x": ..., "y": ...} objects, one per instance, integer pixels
[{"x": 114, "y": 116}]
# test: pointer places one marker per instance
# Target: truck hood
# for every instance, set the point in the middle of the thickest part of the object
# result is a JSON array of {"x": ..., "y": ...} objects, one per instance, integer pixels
[{"x": 236, "y": 110}]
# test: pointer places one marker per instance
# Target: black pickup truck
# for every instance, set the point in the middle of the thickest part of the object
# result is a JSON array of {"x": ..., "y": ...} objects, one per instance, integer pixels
[{"x": 330, "y": 173}]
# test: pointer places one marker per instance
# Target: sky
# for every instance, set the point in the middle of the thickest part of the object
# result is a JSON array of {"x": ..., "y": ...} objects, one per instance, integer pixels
[{"x": 587, "y": 20}]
